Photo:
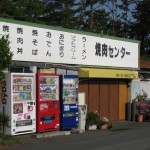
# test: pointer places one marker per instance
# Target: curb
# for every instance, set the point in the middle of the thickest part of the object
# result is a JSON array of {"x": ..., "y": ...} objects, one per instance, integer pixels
[{"x": 51, "y": 134}]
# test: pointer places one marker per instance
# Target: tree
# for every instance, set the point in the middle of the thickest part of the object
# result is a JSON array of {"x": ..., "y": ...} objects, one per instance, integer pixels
[
  {"x": 28, "y": 10},
  {"x": 6, "y": 9},
  {"x": 80, "y": 16},
  {"x": 25, "y": 10},
  {"x": 5, "y": 54},
  {"x": 111, "y": 7},
  {"x": 141, "y": 25},
  {"x": 126, "y": 16},
  {"x": 66, "y": 13},
  {"x": 59, "y": 13},
  {"x": 91, "y": 16}
]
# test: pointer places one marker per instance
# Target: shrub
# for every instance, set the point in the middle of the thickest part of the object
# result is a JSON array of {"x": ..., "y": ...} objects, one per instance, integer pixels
[
  {"x": 105, "y": 121},
  {"x": 92, "y": 118}
]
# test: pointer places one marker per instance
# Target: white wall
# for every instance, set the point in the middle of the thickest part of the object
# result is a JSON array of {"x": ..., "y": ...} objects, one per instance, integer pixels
[
  {"x": 135, "y": 88},
  {"x": 145, "y": 85},
  {"x": 137, "y": 85}
]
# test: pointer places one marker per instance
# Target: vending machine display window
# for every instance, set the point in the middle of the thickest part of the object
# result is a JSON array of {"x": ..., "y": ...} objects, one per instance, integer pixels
[{"x": 48, "y": 88}]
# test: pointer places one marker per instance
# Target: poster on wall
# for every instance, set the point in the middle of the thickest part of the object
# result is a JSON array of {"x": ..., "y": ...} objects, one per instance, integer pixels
[{"x": 36, "y": 44}]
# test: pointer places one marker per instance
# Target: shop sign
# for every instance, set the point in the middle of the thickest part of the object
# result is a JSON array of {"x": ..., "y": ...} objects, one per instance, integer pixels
[
  {"x": 125, "y": 75},
  {"x": 51, "y": 71},
  {"x": 31, "y": 43},
  {"x": 107, "y": 73}
]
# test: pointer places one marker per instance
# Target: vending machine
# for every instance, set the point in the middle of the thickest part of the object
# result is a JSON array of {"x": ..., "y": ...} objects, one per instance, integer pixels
[
  {"x": 19, "y": 102},
  {"x": 69, "y": 102},
  {"x": 48, "y": 102}
]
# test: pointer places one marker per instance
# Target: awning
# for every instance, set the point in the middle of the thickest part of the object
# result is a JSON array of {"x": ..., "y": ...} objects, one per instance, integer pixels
[{"x": 107, "y": 73}]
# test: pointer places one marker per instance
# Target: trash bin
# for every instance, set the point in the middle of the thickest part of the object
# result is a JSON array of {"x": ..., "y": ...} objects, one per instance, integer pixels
[{"x": 128, "y": 111}]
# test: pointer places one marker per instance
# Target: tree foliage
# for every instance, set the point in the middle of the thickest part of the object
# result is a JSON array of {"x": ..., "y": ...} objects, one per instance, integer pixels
[
  {"x": 141, "y": 26},
  {"x": 5, "y": 54}
]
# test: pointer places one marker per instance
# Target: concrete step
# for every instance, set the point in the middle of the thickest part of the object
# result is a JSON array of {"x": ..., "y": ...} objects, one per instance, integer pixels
[{"x": 51, "y": 134}]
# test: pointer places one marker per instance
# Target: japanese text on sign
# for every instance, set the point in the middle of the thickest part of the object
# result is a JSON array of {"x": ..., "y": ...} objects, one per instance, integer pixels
[
  {"x": 31, "y": 43},
  {"x": 103, "y": 50}
]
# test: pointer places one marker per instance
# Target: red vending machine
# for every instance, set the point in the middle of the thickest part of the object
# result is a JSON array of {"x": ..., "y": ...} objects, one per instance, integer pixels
[{"x": 48, "y": 102}]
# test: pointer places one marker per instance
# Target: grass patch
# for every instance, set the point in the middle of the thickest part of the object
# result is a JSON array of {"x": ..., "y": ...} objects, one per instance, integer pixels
[{"x": 9, "y": 140}]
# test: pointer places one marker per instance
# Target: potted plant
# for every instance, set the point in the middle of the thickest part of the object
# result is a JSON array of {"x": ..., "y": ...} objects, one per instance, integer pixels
[
  {"x": 105, "y": 124},
  {"x": 92, "y": 120},
  {"x": 142, "y": 106},
  {"x": 143, "y": 110},
  {"x": 141, "y": 96}
]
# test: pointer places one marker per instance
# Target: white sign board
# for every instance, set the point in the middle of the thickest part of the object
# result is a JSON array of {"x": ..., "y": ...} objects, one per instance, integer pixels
[
  {"x": 81, "y": 98},
  {"x": 37, "y": 44}
]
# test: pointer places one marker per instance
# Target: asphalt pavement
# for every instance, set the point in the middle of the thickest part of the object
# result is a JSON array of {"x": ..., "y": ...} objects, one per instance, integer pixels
[{"x": 124, "y": 135}]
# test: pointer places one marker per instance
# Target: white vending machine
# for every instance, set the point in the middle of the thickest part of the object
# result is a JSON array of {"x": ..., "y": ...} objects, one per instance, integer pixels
[{"x": 19, "y": 102}]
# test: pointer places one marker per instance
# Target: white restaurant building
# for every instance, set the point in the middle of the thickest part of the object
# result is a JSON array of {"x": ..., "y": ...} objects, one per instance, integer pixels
[{"x": 105, "y": 65}]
